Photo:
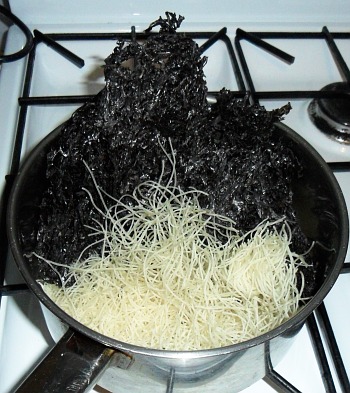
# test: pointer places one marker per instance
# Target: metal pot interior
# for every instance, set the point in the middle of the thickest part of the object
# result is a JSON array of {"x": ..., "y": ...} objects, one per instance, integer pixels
[{"x": 318, "y": 202}]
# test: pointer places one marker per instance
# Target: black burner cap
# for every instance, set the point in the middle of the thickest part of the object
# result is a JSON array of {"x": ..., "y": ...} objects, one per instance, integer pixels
[{"x": 331, "y": 112}]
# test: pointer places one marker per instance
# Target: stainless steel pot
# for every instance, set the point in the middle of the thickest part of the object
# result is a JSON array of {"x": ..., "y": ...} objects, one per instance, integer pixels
[{"x": 83, "y": 356}]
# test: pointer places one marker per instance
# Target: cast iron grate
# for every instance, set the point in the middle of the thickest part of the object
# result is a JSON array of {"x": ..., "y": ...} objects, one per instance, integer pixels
[{"x": 26, "y": 100}]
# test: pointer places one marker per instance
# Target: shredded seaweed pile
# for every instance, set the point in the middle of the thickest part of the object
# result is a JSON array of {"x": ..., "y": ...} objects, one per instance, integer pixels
[{"x": 156, "y": 90}]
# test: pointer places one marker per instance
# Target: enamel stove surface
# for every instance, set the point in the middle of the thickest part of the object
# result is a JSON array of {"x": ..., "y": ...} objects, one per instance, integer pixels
[{"x": 24, "y": 338}]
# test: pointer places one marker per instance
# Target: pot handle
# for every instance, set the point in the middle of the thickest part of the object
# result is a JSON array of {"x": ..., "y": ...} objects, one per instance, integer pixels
[{"x": 73, "y": 365}]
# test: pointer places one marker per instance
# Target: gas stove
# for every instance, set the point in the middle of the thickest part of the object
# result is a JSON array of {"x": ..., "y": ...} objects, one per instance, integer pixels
[{"x": 277, "y": 52}]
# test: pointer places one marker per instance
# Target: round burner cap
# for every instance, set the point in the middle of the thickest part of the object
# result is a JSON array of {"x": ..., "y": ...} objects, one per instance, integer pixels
[{"x": 331, "y": 113}]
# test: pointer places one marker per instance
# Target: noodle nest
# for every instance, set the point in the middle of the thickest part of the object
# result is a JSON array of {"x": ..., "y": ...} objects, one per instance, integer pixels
[{"x": 172, "y": 275}]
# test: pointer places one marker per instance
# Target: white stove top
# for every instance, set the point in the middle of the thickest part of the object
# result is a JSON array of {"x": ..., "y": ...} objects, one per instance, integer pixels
[
  {"x": 196, "y": 11},
  {"x": 24, "y": 338}
]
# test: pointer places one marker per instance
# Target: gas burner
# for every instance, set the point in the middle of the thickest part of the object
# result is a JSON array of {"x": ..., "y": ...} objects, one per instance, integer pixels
[{"x": 331, "y": 113}]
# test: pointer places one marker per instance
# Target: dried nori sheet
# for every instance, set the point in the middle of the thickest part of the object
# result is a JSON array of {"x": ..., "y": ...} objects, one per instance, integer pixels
[{"x": 154, "y": 91}]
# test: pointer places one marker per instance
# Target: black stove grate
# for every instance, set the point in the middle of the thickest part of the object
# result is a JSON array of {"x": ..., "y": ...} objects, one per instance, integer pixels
[{"x": 318, "y": 323}]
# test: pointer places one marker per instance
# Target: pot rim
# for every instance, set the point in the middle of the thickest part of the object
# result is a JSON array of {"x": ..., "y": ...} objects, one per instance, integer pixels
[{"x": 296, "y": 320}]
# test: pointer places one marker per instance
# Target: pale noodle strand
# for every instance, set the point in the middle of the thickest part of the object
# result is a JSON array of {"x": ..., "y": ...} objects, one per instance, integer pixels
[{"x": 165, "y": 280}]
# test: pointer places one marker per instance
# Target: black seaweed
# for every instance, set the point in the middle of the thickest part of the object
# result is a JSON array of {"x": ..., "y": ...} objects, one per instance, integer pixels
[{"x": 155, "y": 91}]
